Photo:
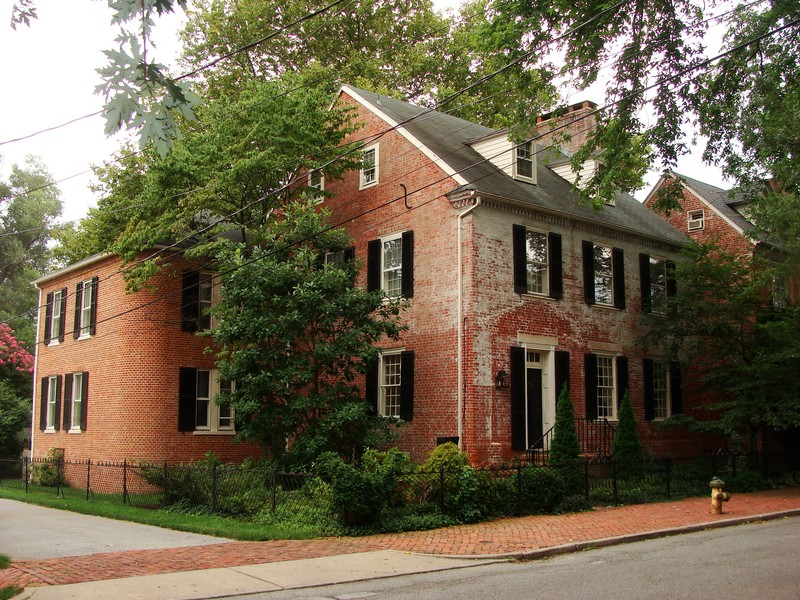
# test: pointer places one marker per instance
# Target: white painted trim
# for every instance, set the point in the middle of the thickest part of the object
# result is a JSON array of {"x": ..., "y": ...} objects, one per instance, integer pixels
[{"x": 437, "y": 160}]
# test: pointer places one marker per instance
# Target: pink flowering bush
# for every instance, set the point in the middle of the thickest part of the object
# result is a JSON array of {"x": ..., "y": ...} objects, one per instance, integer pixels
[{"x": 12, "y": 352}]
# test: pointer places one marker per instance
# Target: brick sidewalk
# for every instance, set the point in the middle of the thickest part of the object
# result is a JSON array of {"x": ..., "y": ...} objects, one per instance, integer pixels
[{"x": 504, "y": 536}]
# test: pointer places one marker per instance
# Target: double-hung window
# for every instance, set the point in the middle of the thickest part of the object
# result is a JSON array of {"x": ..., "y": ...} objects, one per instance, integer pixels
[
  {"x": 523, "y": 162},
  {"x": 76, "y": 391},
  {"x": 606, "y": 379},
  {"x": 537, "y": 262},
  {"x": 657, "y": 276},
  {"x": 50, "y": 404},
  {"x": 197, "y": 300},
  {"x": 662, "y": 389},
  {"x": 54, "y": 324},
  {"x": 390, "y": 265},
  {"x": 603, "y": 275},
  {"x": 197, "y": 406},
  {"x": 85, "y": 308},
  {"x": 696, "y": 220},
  {"x": 390, "y": 384},
  {"x": 369, "y": 167}
]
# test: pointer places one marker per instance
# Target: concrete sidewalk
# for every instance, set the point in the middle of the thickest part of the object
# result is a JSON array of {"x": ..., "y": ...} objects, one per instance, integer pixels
[{"x": 246, "y": 567}]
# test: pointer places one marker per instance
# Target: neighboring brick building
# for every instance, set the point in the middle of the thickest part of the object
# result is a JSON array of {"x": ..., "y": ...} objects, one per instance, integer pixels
[
  {"x": 513, "y": 286},
  {"x": 124, "y": 376},
  {"x": 706, "y": 213}
]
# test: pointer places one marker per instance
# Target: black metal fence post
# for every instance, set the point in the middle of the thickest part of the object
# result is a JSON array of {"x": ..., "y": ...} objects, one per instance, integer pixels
[
  {"x": 519, "y": 488},
  {"x": 586, "y": 478},
  {"x": 441, "y": 488},
  {"x": 166, "y": 480},
  {"x": 614, "y": 485},
  {"x": 27, "y": 463},
  {"x": 59, "y": 473},
  {"x": 668, "y": 474},
  {"x": 125, "y": 499},
  {"x": 214, "y": 487},
  {"x": 88, "y": 477}
]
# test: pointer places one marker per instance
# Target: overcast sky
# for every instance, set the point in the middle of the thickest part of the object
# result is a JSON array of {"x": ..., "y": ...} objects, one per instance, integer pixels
[{"x": 48, "y": 75}]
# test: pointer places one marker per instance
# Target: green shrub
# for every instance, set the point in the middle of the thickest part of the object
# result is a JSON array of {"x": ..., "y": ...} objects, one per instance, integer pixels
[
  {"x": 357, "y": 497},
  {"x": 541, "y": 490},
  {"x": 48, "y": 473},
  {"x": 749, "y": 481},
  {"x": 392, "y": 468},
  {"x": 627, "y": 448}
]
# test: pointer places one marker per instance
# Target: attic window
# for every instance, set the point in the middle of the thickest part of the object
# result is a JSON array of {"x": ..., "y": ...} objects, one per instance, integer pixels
[
  {"x": 696, "y": 220},
  {"x": 369, "y": 167},
  {"x": 523, "y": 162}
]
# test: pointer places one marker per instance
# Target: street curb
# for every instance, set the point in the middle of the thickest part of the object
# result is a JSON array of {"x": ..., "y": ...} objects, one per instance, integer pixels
[{"x": 624, "y": 539}]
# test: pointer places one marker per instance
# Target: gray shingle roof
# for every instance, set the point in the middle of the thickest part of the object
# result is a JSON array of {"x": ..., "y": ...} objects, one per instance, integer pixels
[
  {"x": 724, "y": 201},
  {"x": 448, "y": 137}
]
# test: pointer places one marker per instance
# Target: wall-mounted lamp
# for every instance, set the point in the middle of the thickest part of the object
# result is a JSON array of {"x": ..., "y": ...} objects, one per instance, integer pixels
[{"x": 501, "y": 380}]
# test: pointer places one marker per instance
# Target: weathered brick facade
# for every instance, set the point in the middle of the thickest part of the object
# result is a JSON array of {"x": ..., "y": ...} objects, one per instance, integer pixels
[{"x": 132, "y": 362}]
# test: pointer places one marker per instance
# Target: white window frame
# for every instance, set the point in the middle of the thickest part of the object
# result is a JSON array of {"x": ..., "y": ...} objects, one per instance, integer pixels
[
  {"x": 662, "y": 398},
  {"x": 56, "y": 316},
  {"x": 606, "y": 384},
  {"x": 524, "y": 153},
  {"x": 368, "y": 174},
  {"x": 696, "y": 220},
  {"x": 316, "y": 181},
  {"x": 390, "y": 380},
  {"x": 603, "y": 279},
  {"x": 77, "y": 399},
  {"x": 52, "y": 403},
  {"x": 392, "y": 274},
  {"x": 86, "y": 309},
  {"x": 531, "y": 264},
  {"x": 213, "y": 413}
]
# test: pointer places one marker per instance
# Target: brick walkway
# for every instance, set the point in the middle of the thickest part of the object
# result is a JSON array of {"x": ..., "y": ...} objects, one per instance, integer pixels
[{"x": 503, "y": 536}]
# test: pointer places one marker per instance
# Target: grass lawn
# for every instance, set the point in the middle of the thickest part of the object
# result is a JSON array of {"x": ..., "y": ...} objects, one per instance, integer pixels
[{"x": 206, "y": 524}]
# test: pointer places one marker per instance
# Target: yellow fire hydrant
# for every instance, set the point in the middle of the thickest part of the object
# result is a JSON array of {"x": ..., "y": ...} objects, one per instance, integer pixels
[{"x": 718, "y": 495}]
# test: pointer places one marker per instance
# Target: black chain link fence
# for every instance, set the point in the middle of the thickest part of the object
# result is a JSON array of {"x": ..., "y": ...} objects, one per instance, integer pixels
[{"x": 249, "y": 488}]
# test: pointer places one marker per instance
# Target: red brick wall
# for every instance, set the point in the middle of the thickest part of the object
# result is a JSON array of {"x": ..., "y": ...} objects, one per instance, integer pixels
[{"x": 133, "y": 362}]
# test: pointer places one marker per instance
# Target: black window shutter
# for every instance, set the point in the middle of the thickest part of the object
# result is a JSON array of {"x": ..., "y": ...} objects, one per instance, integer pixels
[
  {"x": 76, "y": 327},
  {"x": 555, "y": 267},
  {"x": 590, "y": 382},
  {"x": 43, "y": 404},
  {"x": 374, "y": 248},
  {"x": 675, "y": 388},
  {"x": 407, "y": 274},
  {"x": 519, "y": 242},
  {"x": 644, "y": 281},
  {"x": 58, "y": 399},
  {"x": 672, "y": 283},
  {"x": 67, "y": 421},
  {"x": 618, "y": 273},
  {"x": 649, "y": 396},
  {"x": 622, "y": 378},
  {"x": 63, "y": 326},
  {"x": 588, "y": 271},
  {"x": 187, "y": 398},
  {"x": 93, "y": 317},
  {"x": 350, "y": 254},
  {"x": 85, "y": 396},
  {"x": 371, "y": 388},
  {"x": 190, "y": 302},
  {"x": 562, "y": 371},
  {"x": 518, "y": 393},
  {"x": 407, "y": 385},
  {"x": 48, "y": 318}
]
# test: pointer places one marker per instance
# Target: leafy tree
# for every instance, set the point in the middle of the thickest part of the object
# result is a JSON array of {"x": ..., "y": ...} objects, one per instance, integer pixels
[
  {"x": 294, "y": 334},
  {"x": 627, "y": 448},
  {"x": 565, "y": 448},
  {"x": 226, "y": 176},
  {"x": 742, "y": 342},
  {"x": 29, "y": 208},
  {"x": 16, "y": 365}
]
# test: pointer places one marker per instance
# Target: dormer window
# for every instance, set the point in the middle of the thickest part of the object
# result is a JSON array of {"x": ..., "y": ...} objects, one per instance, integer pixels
[{"x": 523, "y": 162}]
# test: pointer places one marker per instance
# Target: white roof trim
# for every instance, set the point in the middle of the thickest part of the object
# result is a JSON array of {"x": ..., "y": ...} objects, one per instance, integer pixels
[
  {"x": 437, "y": 160},
  {"x": 73, "y": 267}
]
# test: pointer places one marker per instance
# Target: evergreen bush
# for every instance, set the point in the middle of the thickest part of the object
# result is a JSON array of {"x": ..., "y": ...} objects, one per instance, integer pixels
[
  {"x": 565, "y": 449},
  {"x": 627, "y": 448}
]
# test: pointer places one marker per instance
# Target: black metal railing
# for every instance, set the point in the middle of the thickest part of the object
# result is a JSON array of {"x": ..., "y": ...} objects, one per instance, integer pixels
[{"x": 595, "y": 436}]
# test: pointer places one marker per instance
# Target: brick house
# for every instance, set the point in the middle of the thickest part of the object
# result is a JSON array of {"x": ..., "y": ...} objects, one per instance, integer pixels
[
  {"x": 514, "y": 288},
  {"x": 125, "y": 376}
]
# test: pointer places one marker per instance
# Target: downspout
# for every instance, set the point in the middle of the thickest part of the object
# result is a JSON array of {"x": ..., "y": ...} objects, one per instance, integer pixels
[{"x": 460, "y": 353}]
